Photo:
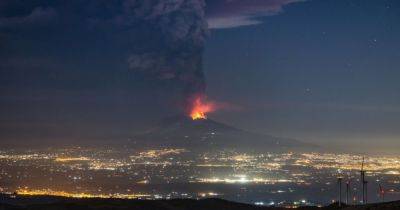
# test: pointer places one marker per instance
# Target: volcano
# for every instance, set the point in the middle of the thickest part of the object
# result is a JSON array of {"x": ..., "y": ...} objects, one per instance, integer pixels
[{"x": 184, "y": 132}]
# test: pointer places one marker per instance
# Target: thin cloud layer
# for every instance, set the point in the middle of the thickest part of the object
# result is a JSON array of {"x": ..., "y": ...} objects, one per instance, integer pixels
[{"x": 236, "y": 13}]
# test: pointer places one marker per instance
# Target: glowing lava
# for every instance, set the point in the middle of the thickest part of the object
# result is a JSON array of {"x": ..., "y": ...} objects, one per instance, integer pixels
[{"x": 200, "y": 108}]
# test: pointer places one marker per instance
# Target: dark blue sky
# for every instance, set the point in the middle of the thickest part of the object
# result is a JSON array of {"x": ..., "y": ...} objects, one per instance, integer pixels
[{"x": 320, "y": 70}]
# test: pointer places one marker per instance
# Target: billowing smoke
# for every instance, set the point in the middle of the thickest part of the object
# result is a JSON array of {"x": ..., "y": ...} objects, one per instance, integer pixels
[
  {"x": 93, "y": 66},
  {"x": 159, "y": 42},
  {"x": 183, "y": 29},
  {"x": 150, "y": 51}
]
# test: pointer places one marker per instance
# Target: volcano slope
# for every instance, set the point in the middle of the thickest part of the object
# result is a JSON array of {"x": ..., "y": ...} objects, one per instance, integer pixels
[{"x": 181, "y": 131}]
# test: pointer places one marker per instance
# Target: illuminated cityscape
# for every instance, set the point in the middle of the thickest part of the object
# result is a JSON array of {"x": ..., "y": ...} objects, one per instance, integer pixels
[{"x": 269, "y": 178}]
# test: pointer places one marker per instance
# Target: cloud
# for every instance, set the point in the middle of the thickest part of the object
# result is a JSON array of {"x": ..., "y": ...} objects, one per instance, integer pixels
[
  {"x": 232, "y": 22},
  {"x": 236, "y": 13}
]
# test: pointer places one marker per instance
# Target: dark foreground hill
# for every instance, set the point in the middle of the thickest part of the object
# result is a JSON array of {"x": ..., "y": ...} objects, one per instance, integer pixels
[{"x": 178, "y": 204}]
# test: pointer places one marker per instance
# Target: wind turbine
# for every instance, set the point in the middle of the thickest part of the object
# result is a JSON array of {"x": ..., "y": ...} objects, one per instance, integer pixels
[
  {"x": 340, "y": 190},
  {"x": 347, "y": 192},
  {"x": 363, "y": 183}
]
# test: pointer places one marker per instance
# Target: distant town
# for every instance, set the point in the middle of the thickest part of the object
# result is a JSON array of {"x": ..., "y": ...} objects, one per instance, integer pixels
[{"x": 270, "y": 179}]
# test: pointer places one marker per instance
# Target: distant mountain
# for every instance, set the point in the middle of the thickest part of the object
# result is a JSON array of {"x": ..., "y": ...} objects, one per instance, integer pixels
[{"x": 181, "y": 131}]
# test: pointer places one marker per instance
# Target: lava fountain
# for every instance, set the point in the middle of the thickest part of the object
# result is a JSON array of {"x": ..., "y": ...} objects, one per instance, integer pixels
[{"x": 201, "y": 107}]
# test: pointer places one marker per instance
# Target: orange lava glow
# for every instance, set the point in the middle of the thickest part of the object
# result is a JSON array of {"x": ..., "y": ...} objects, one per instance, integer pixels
[{"x": 200, "y": 108}]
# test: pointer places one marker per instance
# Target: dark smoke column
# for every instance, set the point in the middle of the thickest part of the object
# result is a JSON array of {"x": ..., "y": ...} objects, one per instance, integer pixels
[{"x": 181, "y": 29}]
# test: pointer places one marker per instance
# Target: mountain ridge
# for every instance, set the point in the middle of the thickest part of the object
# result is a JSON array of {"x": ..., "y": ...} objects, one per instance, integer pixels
[{"x": 182, "y": 131}]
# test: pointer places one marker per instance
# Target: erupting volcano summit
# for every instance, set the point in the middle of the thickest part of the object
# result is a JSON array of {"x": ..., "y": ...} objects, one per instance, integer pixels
[{"x": 200, "y": 108}]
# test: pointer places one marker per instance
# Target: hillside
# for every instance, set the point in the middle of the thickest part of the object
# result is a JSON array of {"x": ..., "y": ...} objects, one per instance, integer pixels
[{"x": 43, "y": 203}]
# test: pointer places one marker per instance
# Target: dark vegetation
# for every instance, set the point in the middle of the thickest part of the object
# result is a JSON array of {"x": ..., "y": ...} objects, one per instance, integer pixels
[{"x": 48, "y": 203}]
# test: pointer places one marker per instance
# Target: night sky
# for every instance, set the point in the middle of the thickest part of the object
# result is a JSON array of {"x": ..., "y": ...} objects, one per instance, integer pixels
[{"x": 324, "y": 71}]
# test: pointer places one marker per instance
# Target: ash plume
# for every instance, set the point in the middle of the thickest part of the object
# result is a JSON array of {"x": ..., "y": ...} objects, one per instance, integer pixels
[
  {"x": 159, "y": 42},
  {"x": 183, "y": 27}
]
